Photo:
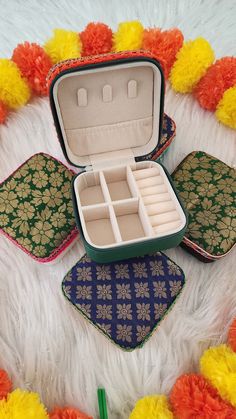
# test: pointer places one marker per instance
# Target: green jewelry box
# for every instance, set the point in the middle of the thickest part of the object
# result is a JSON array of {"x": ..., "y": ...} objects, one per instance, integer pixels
[
  {"x": 36, "y": 210},
  {"x": 108, "y": 112},
  {"x": 207, "y": 186}
]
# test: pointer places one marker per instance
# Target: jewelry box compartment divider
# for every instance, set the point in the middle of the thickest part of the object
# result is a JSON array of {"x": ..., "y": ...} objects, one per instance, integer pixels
[{"x": 126, "y": 204}]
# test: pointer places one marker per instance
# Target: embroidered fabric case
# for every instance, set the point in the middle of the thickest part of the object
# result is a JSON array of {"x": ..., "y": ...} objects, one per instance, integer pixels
[
  {"x": 207, "y": 187},
  {"x": 35, "y": 207},
  {"x": 125, "y": 300}
]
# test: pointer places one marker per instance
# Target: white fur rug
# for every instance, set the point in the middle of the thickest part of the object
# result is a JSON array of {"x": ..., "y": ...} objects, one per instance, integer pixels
[{"x": 45, "y": 344}]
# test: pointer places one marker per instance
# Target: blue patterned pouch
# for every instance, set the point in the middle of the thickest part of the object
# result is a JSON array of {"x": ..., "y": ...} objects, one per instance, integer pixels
[{"x": 125, "y": 300}]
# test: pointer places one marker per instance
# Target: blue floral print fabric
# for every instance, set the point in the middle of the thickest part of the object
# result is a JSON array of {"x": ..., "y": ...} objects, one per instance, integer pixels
[{"x": 125, "y": 300}]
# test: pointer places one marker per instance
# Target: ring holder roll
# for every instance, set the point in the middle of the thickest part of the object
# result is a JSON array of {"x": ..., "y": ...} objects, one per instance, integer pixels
[
  {"x": 153, "y": 199},
  {"x": 164, "y": 228},
  {"x": 161, "y": 207}
]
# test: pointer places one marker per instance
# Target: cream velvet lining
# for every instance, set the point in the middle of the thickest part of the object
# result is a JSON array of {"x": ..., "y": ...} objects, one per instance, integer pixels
[
  {"x": 104, "y": 138},
  {"x": 129, "y": 120},
  {"x": 127, "y": 204}
]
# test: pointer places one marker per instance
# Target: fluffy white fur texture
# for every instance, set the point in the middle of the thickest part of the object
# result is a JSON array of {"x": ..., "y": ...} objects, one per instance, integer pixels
[{"x": 45, "y": 345}]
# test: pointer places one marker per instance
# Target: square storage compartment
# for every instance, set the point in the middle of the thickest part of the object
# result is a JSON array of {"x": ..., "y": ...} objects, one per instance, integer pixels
[
  {"x": 118, "y": 184},
  {"x": 90, "y": 190},
  {"x": 129, "y": 220},
  {"x": 97, "y": 226}
]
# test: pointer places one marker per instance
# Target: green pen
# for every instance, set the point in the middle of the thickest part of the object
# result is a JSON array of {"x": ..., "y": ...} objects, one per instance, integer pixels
[{"x": 102, "y": 403}]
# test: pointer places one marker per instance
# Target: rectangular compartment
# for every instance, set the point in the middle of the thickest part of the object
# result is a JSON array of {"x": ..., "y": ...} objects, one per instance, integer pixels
[
  {"x": 131, "y": 220},
  {"x": 118, "y": 184},
  {"x": 98, "y": 226},
  {"x": 89, "y": 189}
]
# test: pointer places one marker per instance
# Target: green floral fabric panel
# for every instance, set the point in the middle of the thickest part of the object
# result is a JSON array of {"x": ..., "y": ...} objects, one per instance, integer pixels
[
  {"x": 35, "y": 205},
  {"x": 207, "y": 187}
]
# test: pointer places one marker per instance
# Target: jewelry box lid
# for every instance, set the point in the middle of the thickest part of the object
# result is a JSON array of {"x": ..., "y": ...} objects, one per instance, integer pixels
[
  {"x": 107, "y": 109},
  {"x": 127, "y": 299}
]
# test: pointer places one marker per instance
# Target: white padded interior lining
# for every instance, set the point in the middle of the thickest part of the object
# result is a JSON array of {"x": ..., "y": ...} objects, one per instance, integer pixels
[
  {"x": 127, "y": 204},
  {"x": 109, "y": 109}
]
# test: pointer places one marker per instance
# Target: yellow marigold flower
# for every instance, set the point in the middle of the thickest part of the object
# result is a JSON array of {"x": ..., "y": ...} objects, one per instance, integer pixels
[
  {"x": 226, "y": 108},
  {"x": 22, "y": 405},
  {"x": 192, "y": 61},
  {"x": 152, "y": 407},
  {"x": 63, "y": 45},
  {"x": 218, "y": 365},
  {"x": 129, "y": 36},
  {"x": 14, "y": 90}
]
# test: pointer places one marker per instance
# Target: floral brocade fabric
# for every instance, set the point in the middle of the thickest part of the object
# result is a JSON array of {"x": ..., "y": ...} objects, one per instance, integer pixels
[
  {"x": 207, "y": 188},
  {"x": 125, "y": 300},
  {"x": 35, "y": 205}
]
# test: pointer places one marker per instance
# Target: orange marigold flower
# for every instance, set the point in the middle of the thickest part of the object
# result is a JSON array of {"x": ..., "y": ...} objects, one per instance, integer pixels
[
  {"x": 96, "y": 39},
  {"x": 68, "y": 413},
  {"x": 3, "y": 112},
  {"x": 5, "y": 384},
  {"x": 232, "y": 335},
  {"x": 218, "y": 78},
  {"x": 34, "y": 65},
  {"x": 164, "y": 44},
  {"x": 192, "y": 396}
]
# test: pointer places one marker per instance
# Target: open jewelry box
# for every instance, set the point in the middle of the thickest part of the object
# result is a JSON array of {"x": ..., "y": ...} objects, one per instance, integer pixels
[{"x": 108, "y": 113}]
